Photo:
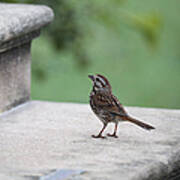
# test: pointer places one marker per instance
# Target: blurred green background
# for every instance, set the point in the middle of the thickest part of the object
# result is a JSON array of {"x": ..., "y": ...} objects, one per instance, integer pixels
[{"x": 135, "y": 43}]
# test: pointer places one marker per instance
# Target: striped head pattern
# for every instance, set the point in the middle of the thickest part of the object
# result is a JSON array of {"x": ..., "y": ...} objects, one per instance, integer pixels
[{"x": 100, "y": 83}]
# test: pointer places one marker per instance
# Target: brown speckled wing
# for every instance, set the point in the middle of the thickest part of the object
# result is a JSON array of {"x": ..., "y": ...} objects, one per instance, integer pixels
[
  {"x": 119, "y": 105},
  {"x": 109, "y": 103}
]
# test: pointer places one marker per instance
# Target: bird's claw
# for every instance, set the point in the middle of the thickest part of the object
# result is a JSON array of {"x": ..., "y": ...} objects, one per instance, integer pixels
[
  {"x": 112, "y": 135},
  {"x": 98, "y": 136}
]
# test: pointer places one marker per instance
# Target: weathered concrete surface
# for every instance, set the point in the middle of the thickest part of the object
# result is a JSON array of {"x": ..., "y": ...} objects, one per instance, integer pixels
[
  {"x": 39, "y": 137},
  {"x": 19, "y": 19}
]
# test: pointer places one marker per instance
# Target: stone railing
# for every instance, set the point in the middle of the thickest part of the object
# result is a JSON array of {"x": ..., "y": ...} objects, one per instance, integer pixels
[{"x": 19, "y": 24}]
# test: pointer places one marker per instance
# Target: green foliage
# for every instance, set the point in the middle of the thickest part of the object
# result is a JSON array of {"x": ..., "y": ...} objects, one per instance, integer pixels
[
  {"x": 72, "y": 23},
  {"x": 149, "y": 26},
  {"x": 114, "y": 38}
]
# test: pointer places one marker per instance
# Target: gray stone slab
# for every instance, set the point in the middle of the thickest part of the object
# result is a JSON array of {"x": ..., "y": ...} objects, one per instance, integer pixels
[
  {"x": 19, "y": 19},
  {"x": 39, "y": 137}
]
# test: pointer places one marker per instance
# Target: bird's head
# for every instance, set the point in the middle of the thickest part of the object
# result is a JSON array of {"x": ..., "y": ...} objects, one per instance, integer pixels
[{"x": 100, "y": 83}]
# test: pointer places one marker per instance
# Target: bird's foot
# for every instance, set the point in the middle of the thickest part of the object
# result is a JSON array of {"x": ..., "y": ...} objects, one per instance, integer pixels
[
  {"x": 112, "y": 135},
  {"x": 98, "y": 136}
]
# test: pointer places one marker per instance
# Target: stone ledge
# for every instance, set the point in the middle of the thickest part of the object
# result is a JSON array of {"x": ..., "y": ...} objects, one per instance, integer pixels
[
  {"x": 18, "y": 41},
  {"x": 17, "y": 20},
  {"x": 39, "y": 137}
]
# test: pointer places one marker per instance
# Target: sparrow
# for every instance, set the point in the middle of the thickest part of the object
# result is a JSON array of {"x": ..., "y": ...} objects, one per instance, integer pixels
[{"x": 108, "y": 108}]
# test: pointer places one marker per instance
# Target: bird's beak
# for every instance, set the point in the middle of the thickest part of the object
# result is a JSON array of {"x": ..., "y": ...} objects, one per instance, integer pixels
[{"x": 91, "y": 77}]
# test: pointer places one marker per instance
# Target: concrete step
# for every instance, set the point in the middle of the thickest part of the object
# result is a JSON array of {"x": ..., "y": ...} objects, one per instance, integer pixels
[{"x": 38, "y": 138}]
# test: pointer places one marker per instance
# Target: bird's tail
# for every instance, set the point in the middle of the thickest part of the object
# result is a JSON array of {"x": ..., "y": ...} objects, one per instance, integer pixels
[{"x": 140, "y": 123}]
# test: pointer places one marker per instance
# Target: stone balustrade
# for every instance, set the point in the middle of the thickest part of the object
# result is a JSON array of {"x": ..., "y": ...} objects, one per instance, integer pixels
[{"x": 19, "y": 25}]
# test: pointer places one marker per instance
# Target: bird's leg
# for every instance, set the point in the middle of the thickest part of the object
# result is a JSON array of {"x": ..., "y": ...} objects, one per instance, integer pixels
[
  {"x": 100, "y": 133},
  {"x": 115, "y": 130}
]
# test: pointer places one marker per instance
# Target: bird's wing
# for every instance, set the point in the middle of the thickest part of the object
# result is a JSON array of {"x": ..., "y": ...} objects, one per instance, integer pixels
[
  {"x": 110, "y": 103},
  {"x": 119, "y": 105}
]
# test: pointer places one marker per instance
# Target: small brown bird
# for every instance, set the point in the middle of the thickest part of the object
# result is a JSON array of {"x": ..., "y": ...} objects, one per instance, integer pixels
[{"x": 107, "y": 107}]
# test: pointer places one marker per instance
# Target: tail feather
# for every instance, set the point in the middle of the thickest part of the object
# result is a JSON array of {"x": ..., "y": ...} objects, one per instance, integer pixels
[{"x": 140, "y": 123}]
